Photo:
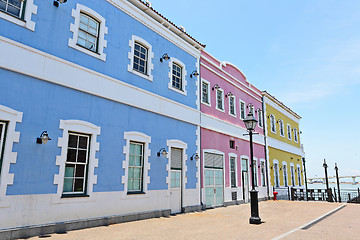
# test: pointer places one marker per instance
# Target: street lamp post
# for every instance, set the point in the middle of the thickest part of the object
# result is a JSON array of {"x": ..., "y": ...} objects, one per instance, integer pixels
[
  {"x": 326, "y": 175},
  {"x": 306, "y": 186},
  {"x": 250, "y": 124},
  {"x": 337, "y": 181}
]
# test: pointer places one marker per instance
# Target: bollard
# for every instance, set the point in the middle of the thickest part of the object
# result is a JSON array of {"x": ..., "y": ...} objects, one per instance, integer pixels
[{"x": 275, "y": 193}]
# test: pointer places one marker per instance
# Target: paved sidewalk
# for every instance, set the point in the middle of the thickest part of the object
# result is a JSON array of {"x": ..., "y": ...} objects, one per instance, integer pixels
[{"x": 280, "y": 217}]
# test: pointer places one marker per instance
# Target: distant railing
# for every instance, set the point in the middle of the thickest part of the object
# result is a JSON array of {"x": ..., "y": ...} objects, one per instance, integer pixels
[
  {"x": 347, "y": 195},
  {"x": 329, "y": 195}
]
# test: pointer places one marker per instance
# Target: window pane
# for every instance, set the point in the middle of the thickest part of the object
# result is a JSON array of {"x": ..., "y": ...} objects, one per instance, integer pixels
[
  {"x": 69, "y": 170},
  {"x": 83, "y": 142},
  {"x": 88, "y": 36},
  {"x": 68, "y": 184},
  {"x": 79, "y": 185},
  {"x": 81, "y": 156},
  {"x": 80, "y": 171},
  {"x": 136, "y": 185},
  {"x": 131, "y": 160},
  {"x": 72, "y": 141},
  {"x": 2, "y": 5},
  {"x": 137, "y": 172},
  {"x": 131, "y": 172},
  {"x": 71, "y": 155}
]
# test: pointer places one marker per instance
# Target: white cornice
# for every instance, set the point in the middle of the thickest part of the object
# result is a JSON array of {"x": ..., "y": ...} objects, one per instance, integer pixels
[
  {"x": 218, "y": 125},
  {"x": 274, "y": 143},
  {"x": 150, "y": 22},
  {"x": 32, "y": 62},
  {"x": 280, "y": 109}
]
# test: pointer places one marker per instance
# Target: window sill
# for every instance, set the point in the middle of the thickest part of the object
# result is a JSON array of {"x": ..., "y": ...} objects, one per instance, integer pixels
[
  {"x": 183, "y": 92},
  {"x": 135, "y": 193},
  {"x": 221, "y": 110},
  {"x": 205, "y": 103},
  {"x": 147, "y": 77},
  {"x": 74, "y": 195},
  {"x": 82, "y": 49}
]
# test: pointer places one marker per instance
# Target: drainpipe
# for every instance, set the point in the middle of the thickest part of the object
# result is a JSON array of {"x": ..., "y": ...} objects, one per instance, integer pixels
[
  {"x": 266, "y": 153},
  {"x": 200, "y": 153}
]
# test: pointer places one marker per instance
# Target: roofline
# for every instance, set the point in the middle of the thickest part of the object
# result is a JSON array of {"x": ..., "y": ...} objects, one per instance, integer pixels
[
  {"x": 146, "y": 8},
  {"x": 274, "y": 99}
]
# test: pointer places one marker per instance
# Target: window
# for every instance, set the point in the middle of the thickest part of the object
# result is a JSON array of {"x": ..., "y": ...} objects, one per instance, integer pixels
[
  {"x": 292, "y": 175},
  {"x": 242, "y": 110},
  {"x": 255, "y": 173},
  {"x": 251, "y": 109},
  {"x": 232, "y": 172},
  {"x": 88, "y": 32},
  {"x": 276, "y": 174},
  {"x": 140, "y": 57},
  {"x": 281, "y": 127},
  {"x": 205, "y": 92},
  {"x": 272, "y": 123},
  {"x": 135, "y": 171},
  {"x": 284, "y": 168},
  {"x": 76, "y": 165},
  {"x": 232, "y": 144},
  {"x": 12, "y": 7},
  {"x": 18, "y": 12},
  {"x": 295, "y": 135},
  {"x": 2, "y": 141},
  {"x": 299, "y": 175},
  {"x": 262, "y": 169},
  {"x": 219, "y": 99},
  {"x": 177, "y": 76},
  {"x": 232, "y": 106},
  {"x": 289, "y": 131},
  {"x": 260, "y": 118}
]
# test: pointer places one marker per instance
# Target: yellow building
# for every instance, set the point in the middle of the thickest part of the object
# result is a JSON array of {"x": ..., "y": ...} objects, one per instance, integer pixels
[{"x": 284, "y": 151}]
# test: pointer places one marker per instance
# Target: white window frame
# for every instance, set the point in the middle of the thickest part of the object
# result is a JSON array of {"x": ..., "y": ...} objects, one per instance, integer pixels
[
  {"x": 26, "y": 21},
  {"x": 12, "y": 117},
  {"x": 146, "y": 140},
  {"x": 278, "y": 172},
  {"x": 292, "y": 174},
  {"x": 183, "y": 76},
  {"x": 288, "y": 131},
  {"x": 296, "y": 137},
  {"x": 260, "y": 118},
  {"x": 240, "y": 112},
  {"x": 150, "y": 66},
  {"x": 232, "y": 97},
  {"x": 174, "y": 143},
  {"x": 281, "y": 126},
  {"x": 285, "y": 173},
  {"x": 272, "y": 123},
  {"x": 230, "y": 155},
  {"x": 256, "y": 178},
  {"x": 262, "y": 161},
  {"x": 222, "y": 94},
  {"x": 74, "y": 28},
  {"x": 208, "y": 90},
  {"x": 81, "y": 127},
  {"x": 298, "y": 168}
]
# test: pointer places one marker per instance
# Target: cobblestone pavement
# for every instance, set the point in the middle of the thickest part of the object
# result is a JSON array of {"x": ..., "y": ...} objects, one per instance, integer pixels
[{"x": 279, "y": 218}]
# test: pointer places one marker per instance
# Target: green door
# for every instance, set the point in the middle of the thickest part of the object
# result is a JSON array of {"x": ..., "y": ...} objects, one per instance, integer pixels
[{"x": 214, "y": 180}]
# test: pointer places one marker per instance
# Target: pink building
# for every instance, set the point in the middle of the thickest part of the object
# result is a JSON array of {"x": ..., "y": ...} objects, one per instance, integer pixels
[{"x": 226, "y": 98}]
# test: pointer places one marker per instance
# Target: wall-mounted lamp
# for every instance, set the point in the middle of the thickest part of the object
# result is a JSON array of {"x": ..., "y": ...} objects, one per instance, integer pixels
[
  {"x": 44, "y": 138},
  {"x": 229, "y": 94},
  {"x": 165, "y": 57},
  {"x": 300, "y": 132},
  {"x": 57, "y": 2},
  {"x": 194, "y": 73},
  {"x": 195, "y": 156},
  {"x": 216, "y": 86},
  {"x": 291, "y": 158},
  {"x": 162, "y": 152}
]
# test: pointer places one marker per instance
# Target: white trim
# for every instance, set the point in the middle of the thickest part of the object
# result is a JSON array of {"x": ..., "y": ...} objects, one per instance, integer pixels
[
  {"x": 280, "y": 145},
  {"x": 280, "y": 109},
  {"x": 30, "y": 9},
  {"x": 224, "y": 63},
  {"x": 177, "y": 144},
  {"x": 222, "y": 101},
  {"x": 84, "y": 128},
  {"x": 288, "y": 130},
  {"x": 150, "y": 56},
  {"x": 9, "y": 157},
  {"x": 56, "y": 70},
  {"x": 229, "y": 97},
  {"x": 183, "y": 76},
  {"x": 146, "y": 140},
  {"x": 274, "y": 122},
  {"x": 158, "y": 25},
  {"x": 241, "y": 101},
  {"x": 281, "y": 124},
  {"x": 74, "y": 28},
  {"x": 227, "y": 128},
  {"x": 236, "y": 170},
  {"x": 209, "y": 92}
]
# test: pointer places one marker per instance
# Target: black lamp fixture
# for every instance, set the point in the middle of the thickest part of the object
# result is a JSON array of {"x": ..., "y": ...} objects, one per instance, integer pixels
[
  {"x": 250, "y": 124},
  {"x": 44, "y": 138},
  {"x": 195, "y": 156},
  {"x": 229, "y": 94},
  {"x": 165, "y": 57},
  {"x": 216, "y": 86},
  {"x": 57, "y": 2},
  {"x": 162, "y": 152},
  {"x": 194, "y": 73}
]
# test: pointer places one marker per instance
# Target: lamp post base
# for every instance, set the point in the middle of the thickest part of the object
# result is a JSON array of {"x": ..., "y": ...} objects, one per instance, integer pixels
[{"x": 254, "y": 219}]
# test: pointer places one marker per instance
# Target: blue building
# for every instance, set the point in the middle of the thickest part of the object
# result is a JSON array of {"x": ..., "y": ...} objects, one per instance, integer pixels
[{"x": 99, "y": 115}]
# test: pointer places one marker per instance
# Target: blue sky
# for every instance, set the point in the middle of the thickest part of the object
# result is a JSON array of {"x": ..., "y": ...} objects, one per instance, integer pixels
[{"x": 306, "y": 53}]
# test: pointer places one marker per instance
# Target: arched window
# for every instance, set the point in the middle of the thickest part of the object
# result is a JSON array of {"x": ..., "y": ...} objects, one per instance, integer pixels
[
  {"x": 272, "y": 123},
  {"x": 281, "y": 127}
]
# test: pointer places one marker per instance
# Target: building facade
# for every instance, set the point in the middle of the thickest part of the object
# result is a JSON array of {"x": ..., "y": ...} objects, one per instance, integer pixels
[
  {"x": 226, "y": 99},
  {"x": 283, "y": 144},
  {"x": 113, "y": 84}
]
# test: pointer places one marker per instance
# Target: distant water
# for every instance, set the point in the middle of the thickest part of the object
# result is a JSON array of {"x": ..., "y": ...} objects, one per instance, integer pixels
[{"x": 343, "y": 186}]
